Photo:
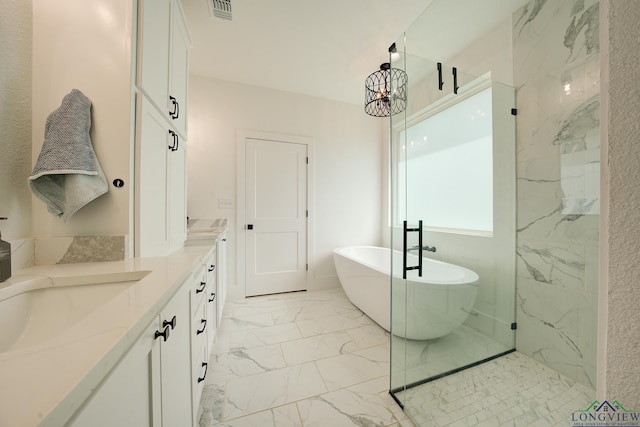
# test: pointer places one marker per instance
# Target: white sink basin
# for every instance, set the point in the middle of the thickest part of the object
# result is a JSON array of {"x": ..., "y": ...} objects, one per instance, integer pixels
[{"x": 38, "y": 309}]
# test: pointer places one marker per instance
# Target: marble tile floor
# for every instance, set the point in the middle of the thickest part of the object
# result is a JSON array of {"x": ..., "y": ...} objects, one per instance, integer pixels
[
  {"x": 513, "y": 390},
  {"x": 413, "y": 361},
  {"x": 308, "y": 359}
]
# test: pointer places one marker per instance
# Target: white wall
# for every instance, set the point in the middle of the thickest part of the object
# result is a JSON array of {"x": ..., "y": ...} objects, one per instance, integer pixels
[
  {"x": 492, "y": 52},
  {"x": 15, "y": 117},
  {"x": 87, "y": 46},
  {"x": 347, "y": 162}
]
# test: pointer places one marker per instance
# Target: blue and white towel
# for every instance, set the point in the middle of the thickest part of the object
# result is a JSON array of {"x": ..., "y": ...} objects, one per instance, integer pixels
[{"x": 67, "y": 174}]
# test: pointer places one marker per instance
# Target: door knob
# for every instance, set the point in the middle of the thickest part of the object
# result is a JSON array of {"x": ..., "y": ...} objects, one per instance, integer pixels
[{"x": 249, "y": 226}]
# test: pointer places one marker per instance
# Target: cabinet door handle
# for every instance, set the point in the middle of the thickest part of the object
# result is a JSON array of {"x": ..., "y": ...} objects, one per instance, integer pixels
[
  {"x": 213, "y": 267},
  {"x": 174, "y": 145},
  {"x": 440, "y": 82},
  {"x": 176, "y": 108},
  {"x": 171, "y": 323},
  {"x": 164, "y": 334},
  {"x": 213, "y": 296},
  {"x": 206, "y": 367},
  {"x": 201, "y": 288},
  {"x": 203, "y": 322}
]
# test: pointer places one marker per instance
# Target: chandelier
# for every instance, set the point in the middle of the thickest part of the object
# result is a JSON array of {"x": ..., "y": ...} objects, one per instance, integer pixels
[{"x": 385, "y": 91}]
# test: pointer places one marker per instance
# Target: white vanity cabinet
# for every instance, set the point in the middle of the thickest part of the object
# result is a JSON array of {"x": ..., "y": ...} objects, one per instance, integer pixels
[
  {"x": 161, "y": 111},
  {"x": 131, "y": 387},
  {"x": 203, "y": 324},
  {"x": 160, "y": 184},
  {"x": 175, "y": 360},
  {"x": 159, "y": 379},
  {"x": 221, "y": 276},
  {"x": 150, "y": 386},
  {"x": 153, "y": 152},
  {"x": 212, "y": 296},
  {"x": 177, "y": 194}
]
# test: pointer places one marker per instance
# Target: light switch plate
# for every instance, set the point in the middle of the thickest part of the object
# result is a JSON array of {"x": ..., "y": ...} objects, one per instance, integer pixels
[{"x": 225, "y": 203}]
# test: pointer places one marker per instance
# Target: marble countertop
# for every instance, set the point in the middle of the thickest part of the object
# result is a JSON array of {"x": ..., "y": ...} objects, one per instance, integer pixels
[
  {"x": 205, "y": 231},
  {"x": 44, "y": 384}
]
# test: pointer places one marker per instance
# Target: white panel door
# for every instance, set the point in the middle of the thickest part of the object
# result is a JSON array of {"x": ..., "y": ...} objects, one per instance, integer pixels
[{"x": 276, "y": 216}]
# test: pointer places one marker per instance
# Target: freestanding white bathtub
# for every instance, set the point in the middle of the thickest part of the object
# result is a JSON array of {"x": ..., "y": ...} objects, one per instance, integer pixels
[{"x": 426, "y": 307}]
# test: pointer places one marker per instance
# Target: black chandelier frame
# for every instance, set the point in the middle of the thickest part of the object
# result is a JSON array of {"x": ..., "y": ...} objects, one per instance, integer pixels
[{"x": 385, "y": 91}]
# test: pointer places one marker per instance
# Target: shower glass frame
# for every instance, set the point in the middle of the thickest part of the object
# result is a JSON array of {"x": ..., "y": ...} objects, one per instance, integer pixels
[{"x": 493, "y": 314}]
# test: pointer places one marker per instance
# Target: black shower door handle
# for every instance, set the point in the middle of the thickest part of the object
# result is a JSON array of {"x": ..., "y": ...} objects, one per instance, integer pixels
[{"x": 405, "y": 267}]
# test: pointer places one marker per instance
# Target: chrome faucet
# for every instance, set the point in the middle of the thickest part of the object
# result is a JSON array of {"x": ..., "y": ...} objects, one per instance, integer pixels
[{"x": 424, "y": 248}]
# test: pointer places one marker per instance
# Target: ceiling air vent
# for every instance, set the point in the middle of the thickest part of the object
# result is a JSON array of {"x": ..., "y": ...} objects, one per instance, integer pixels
[{"x": 220, "y": 8}]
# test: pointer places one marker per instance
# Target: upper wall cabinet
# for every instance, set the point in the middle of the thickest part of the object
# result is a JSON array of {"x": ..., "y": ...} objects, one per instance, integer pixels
[
  {"x": 154, "y": 24},
  {"x": 179, "y": 70},
  {"x": 161, "y": 127},
  {"x": 163, "y": 63}
]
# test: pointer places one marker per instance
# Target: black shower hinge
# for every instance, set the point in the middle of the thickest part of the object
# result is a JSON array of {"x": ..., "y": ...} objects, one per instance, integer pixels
[
  {"x": 514, "y": 111},
  {"x": 514, "y": 326}
]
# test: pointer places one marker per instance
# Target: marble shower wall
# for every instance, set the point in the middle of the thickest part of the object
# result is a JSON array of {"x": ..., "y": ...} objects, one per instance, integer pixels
[{"x": 556, "y": 73}]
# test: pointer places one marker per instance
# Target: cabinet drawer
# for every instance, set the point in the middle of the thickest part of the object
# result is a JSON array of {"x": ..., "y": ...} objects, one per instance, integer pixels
[
  {"x": 199, "y": 371},
  {"x": 199, "y": 326},
  {"x": 210, "y": 265},
  {"x": 198, "y": 287},
  {"x": 211, "y": 309}
]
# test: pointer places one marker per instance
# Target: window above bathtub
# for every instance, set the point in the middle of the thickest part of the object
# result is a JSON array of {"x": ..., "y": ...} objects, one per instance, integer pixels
[{"x": 444, "y": 168}]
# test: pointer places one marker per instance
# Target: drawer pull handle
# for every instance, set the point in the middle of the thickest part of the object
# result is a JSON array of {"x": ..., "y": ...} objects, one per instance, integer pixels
[
  {"x": 164, "y": 334},
  {"x": 176, "y": 108},
  {"x": 201, "y": 288},
  {"x": 174, "y": 136},
  {"x": 171, "y": 323},
  {"x": 213, "y": 296},
  {"x": 203, "y": 322},
  {"x": 206, "y": 367},
  {"x": 213, "y": 267}
]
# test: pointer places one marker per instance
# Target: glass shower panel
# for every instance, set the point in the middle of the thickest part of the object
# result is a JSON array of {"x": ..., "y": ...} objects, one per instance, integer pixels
[{"x": 452, "y": 198}]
